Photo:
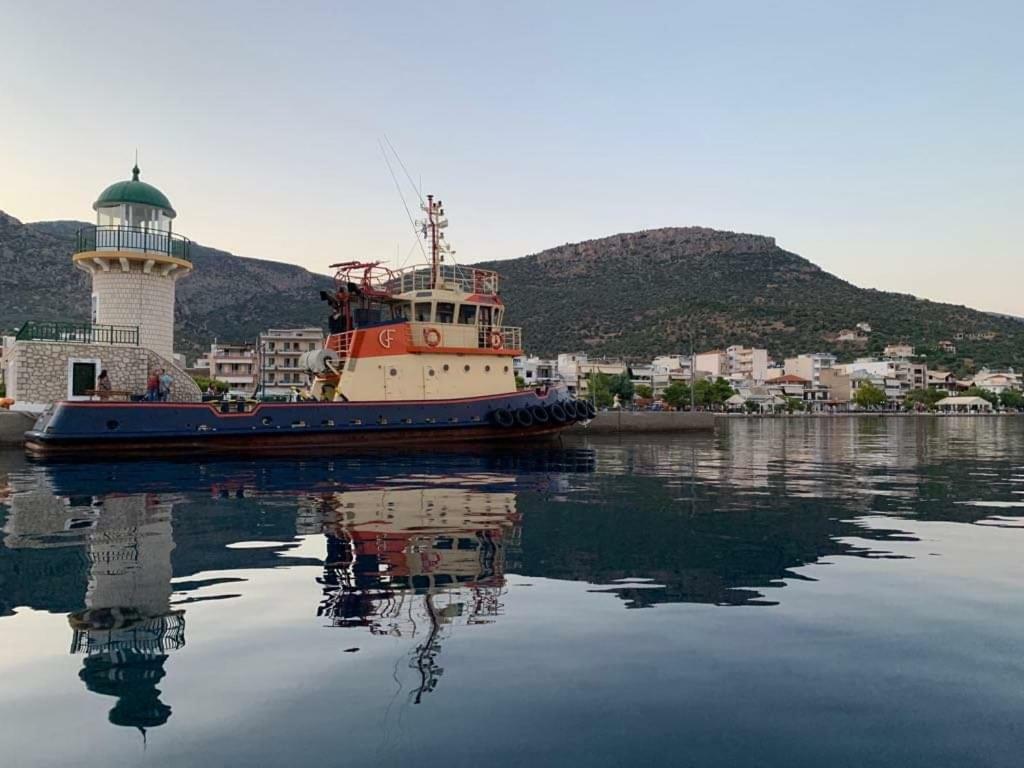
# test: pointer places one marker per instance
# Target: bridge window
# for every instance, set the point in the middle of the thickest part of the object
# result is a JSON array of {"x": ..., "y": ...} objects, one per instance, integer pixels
[
  {"x": 445, "y": 312},
  {"x": 467, "y": 314},
  {"x": 423, "y": 311}
]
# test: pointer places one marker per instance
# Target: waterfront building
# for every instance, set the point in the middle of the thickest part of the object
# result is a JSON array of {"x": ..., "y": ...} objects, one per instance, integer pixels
[
  {"x": 996, "y": 382},
  {"x": 573, "y": 368},
  {"x": 134, "y": 260},
  {"x": 668, "y": 369},
  {"x": 279, "y": 350},
  {"x": 809, "y": 366},
  {"x": 714, "y": 363},
  {"x": 960, "y": 404},
  {"x": 942, "y": 380},
  {"x": 947, "y": 346},
  {"x": 536, "y": 371},
  {"x": 747, "y": 363},
  {"x": 232, "y": 364}
]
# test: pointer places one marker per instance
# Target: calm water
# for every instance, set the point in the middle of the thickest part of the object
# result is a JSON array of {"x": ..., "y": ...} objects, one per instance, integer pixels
[{"x": 788, "y": 592}]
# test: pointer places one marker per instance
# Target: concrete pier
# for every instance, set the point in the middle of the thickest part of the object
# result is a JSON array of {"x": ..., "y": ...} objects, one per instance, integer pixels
[
  {"x": 13, "y": 425},
  {"x": 631, "y": 422}
]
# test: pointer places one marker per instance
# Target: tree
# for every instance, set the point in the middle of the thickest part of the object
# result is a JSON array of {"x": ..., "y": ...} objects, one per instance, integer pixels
[
  {"x": 992, "y": 397},
  {"x": 644, "y": 392},
  {"x": 520, "y": 382},
  {"x": 794, "y": 404},
  {"x": 599, "y": 389},
  {"x": 1011, "y": 398},
  {"x": 868, "y": 396},
  {"x": 923, "y": 398},
  {"x": 711, "y": 393},
  {"x": 677, "y": 394},
  {"x": 622, "y": 385},
  {"x": 203, "y": 382}
]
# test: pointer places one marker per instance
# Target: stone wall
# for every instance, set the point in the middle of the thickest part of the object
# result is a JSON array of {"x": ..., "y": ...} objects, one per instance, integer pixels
[
  {"x": 37, "y": 371},
  {"x": 136, "y": 298}
]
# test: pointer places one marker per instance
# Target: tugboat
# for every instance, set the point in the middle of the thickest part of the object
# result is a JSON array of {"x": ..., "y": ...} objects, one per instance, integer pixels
[{"x": 414, "y": 356}]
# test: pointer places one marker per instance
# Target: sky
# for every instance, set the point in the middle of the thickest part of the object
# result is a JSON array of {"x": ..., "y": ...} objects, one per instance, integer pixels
[{"x": 882, "y": 141}]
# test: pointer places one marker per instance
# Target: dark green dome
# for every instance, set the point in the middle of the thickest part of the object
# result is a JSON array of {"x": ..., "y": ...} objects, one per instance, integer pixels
[{"x": 134, "y": 191}]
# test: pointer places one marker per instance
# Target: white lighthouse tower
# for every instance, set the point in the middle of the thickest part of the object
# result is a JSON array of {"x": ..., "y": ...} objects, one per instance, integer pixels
[{"x": 134, "y": 259}]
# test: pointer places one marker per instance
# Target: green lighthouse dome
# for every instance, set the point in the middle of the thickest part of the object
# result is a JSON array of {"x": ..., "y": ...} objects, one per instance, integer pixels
[{"x": 134, "y": 191}]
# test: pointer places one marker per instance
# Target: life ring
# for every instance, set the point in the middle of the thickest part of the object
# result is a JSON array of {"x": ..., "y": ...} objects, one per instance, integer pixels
[
  {"x": 496, "y": 340},
  {"x": 431, "y": 336}
]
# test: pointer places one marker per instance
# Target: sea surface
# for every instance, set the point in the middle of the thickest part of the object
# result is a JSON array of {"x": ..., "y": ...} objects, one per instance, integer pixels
[{"x": 787, "y": 592}]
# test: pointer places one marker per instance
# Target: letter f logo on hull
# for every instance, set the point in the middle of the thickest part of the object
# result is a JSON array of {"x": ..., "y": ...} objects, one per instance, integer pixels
[{"x": 385, "y": 337}]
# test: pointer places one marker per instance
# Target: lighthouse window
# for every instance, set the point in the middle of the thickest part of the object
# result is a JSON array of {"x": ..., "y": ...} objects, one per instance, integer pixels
[
  {"x": 445, "y": 312},
  {"x": 467, "y": 314}
]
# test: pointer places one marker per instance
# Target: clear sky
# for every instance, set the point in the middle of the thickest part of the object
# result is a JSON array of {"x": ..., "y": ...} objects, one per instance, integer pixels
[{"x": 883, "y": 141}]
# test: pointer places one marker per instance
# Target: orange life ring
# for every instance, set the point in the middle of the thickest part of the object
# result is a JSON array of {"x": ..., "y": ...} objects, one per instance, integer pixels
[
  {"x": 431, "y": 336},
  {"x": 496, "y": 340}
]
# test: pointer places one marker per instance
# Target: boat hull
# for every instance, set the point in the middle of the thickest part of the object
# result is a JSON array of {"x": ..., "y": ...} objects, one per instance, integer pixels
[{"x": 131, "y": 428}]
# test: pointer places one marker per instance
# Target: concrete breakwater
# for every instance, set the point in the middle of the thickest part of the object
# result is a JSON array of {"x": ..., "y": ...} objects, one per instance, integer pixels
[
  {"x": 627, "y": 422},
  {"x": 13, "y": 425}
]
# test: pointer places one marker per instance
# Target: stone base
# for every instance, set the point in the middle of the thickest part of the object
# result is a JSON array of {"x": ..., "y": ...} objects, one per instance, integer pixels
[{"x": 37, "y": 371}]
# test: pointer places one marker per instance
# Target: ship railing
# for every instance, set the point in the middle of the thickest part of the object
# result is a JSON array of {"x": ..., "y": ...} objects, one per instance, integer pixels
[
  {"x": 138, "y": 239},
  {"x": 452, "y": 276},
  {"x": 457, "y": 336},
  {"x": 79, "y": 333},
  {"x": 340, "y": 342}
]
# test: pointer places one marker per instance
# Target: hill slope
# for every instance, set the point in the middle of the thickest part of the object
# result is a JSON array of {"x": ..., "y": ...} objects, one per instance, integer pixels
[
  {"x": 636, "y": 295},
  {"x": 227, "y": 297}
]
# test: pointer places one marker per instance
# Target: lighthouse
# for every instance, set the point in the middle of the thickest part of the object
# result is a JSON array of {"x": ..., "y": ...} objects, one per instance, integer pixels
[{"x": 135, "y": 259}]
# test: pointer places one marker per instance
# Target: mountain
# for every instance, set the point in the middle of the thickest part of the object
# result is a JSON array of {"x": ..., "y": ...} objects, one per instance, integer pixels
[
  {"x": 639, "y": 294},
  {"x": 227, "y": 297},
  {"x": 631, "y": 295}
]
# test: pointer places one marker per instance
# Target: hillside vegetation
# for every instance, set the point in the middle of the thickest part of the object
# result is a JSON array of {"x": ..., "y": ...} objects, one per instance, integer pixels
[
  {"x": 637, "y": 295},
  {"x": 227, "y": 297}
]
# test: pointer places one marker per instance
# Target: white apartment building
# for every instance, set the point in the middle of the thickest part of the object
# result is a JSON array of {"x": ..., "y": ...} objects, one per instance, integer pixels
[
  {"x": 809, "y": 366},
  {"x": 747, "y": 363},
  {"x": 714, "y": 363},
  {"x": 279, "y": 352},
  {"x": 536, "y": 371},
  {"x": 233, "y": 364},
  {"x": 667, "y": 369},
  {"x": 997, "y": 382},
  {"x": 574, "y": 367}
]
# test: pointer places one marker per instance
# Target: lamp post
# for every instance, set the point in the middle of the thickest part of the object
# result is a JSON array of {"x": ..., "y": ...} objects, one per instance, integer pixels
[{"x": 693, "y": 370}]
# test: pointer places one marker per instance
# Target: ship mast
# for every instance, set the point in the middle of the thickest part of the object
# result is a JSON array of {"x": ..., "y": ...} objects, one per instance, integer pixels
[{"x": 431, "y": 229}]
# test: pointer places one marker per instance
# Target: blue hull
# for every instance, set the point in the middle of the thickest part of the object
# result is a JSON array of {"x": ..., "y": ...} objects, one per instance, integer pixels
[{"x": 78, "y": 427}]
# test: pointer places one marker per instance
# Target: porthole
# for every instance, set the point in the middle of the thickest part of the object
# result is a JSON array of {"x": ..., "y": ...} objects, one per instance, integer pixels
[
  {"x": 466, "y": 369},
  {"x": 266, "y": 421},
  {"x": 112, "y": 424},
  {"x": 506, "y": 369},
  {"x": 430, "y": 371},
  {"x": 393, "y": 371},
  {"x": 487, "y": 369},
  {"x": 446, "y": 367}
]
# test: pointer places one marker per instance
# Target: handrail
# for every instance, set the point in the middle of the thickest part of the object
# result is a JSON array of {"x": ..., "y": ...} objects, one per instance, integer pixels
[
  {"x": 125, "y": 238},
  {"x": 79, "y": 333}
]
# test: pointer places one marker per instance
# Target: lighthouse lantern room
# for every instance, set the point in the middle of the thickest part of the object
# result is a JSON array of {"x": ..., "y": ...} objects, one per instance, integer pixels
[{"x": 134, "y": 259}]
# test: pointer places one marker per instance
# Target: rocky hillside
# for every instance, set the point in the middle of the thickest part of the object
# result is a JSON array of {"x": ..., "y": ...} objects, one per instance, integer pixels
[
  {"x": 639, "y": 294},
  {"x": 631, "y": 295},
  {"x": 228, "y": 297}
]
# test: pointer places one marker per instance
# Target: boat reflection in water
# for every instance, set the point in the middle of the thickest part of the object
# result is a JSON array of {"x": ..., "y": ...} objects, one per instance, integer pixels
[
  {"x": 413, "y": 548},
  {"x": 400, "y": 560}
]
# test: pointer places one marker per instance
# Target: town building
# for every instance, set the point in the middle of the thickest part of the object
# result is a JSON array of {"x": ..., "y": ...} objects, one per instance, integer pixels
[
  {"x": 899, "y": 351},
  {"x": 747, "y": 363},
  {"x": 961, "y": 404},
  {"x": 809, "y": 366},
  {"x": 279, "y": 350},
  {"x": 947, "y": 346},
  {"x": 232, "y": 364},
  {"x": 714, "y": 363},
  {"x": 134, "y": 260},
  {"x": 997, "y": 382},
  {"x": 536, "y": 371}
]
